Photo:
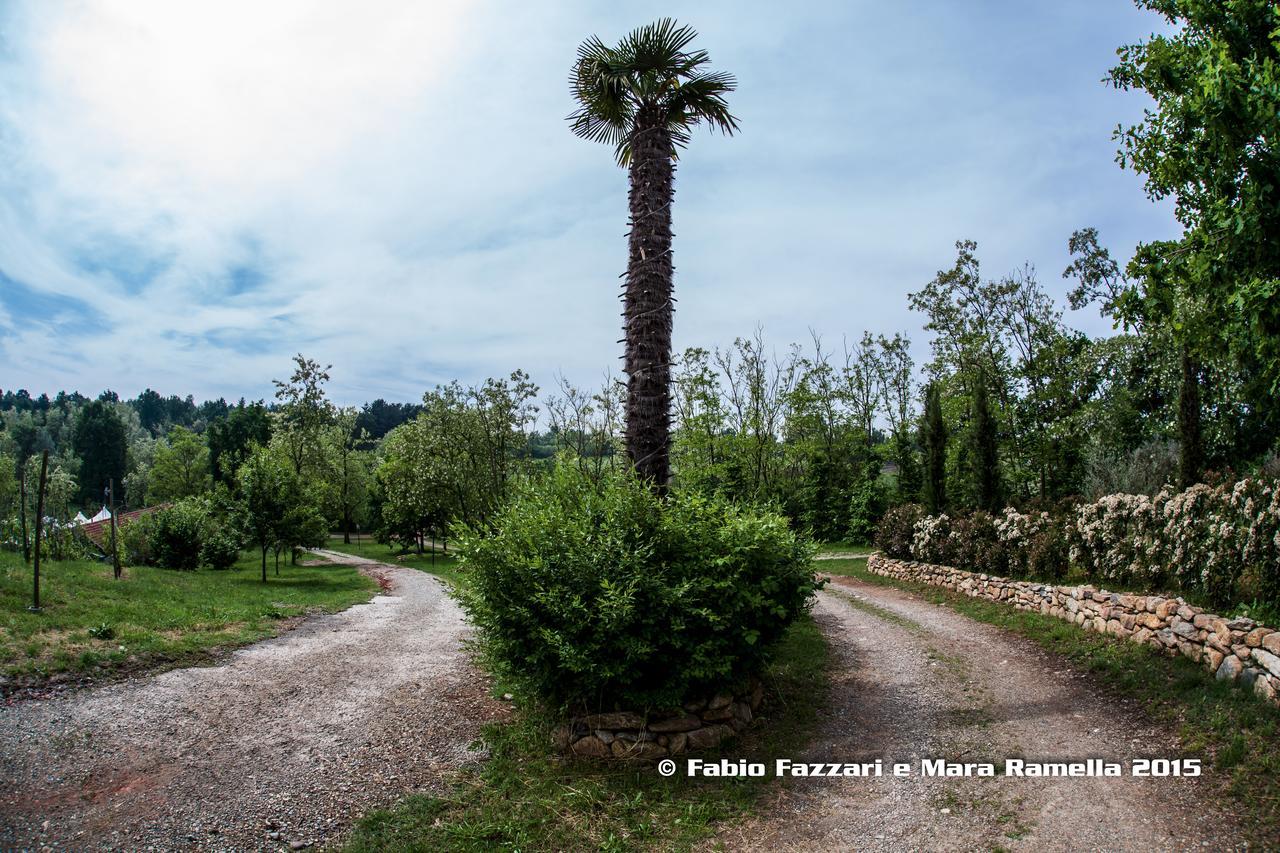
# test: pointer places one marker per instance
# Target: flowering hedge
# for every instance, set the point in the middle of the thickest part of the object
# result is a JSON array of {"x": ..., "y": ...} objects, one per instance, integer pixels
[{"x": 1221, "y": 542}]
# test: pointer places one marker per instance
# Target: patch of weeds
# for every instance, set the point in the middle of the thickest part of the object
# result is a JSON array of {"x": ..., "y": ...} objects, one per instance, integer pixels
[
  {"x": 524, "y": 797},
  {"x": 102, "y": 632}
]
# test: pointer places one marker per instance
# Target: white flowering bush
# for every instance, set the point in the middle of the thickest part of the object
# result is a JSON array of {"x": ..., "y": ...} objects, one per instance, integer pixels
[
  {"x": 1201, "y": 543},
  {"x": 1255, "y": 507},
  {"x": 1118, "y": 539},
  {"x": 1222, "y": 542},
  {"x": 931, "y": 541},
  {"x": 1019, "y": 532}
]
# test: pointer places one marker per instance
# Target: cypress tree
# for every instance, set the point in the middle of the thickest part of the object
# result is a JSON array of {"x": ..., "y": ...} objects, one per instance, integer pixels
[
  {"x": 986, "y": 462},
  {"x": 935, "y": 451}
]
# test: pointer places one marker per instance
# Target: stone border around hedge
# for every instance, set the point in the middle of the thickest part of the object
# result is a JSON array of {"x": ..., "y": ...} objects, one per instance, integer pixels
[
  {"x": 1236, "y": 650},
  {"x": 629, "y": 735}
]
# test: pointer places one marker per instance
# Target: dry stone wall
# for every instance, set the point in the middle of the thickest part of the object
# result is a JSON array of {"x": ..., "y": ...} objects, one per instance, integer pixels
[
  {"x": 1237, "y": 650},
  {"x": 628, "y": 735}
]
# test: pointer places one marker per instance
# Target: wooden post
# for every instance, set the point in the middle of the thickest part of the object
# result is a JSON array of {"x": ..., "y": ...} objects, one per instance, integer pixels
[
  {"x": 44, "y": 473},
  {"x": 111, "y": 507}
]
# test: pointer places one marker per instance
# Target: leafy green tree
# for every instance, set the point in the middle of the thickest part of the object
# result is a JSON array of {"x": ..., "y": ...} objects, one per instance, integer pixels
[
  {"x": 304, "y": 413},
  {"x": 1210, "y": 145},
  {"x": 895, "y": 376},
  {"x": 181, "y": 467},
  {"x": 644, "y": 96},
  {"x": 347, "y": 470},
  {"x": 103, "y": 448},
  {"x": 232, "y": 440},
  {"x": 269, "y": 492}
]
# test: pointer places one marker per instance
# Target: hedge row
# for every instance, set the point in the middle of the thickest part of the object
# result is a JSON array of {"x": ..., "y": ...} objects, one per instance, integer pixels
[{"x": 1220, "y": 542}]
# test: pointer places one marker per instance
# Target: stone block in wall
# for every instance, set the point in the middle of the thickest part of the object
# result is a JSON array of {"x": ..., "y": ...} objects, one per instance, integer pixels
[
  {"x": 1230, "y": 669},
  {"x": 1268, "y": 661}
]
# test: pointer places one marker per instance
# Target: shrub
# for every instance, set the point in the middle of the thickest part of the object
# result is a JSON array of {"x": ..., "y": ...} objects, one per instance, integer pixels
[
  {"x": 135, "y": 541},
  {"x": 1120, "y": 539},
  {"x": 1048, "y": 555},
  {"x": 896, "y": 530},
  {"x": 221, "y": 548},
  {"x": 931, "y": 540},
  {"x": 1255, "y": 507},
  {"x": 177, "y": 533},
  {"x": 866, "y": 504},
  {"x": 593, "y": 595},
  {"x": 975, "y": 544},
  {"x": 1017, "y": 531}
]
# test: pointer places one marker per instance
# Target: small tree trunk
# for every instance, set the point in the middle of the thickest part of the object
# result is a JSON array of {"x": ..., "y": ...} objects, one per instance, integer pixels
[
  {"x": 115, "y": 552},
  {"x": 648, "y": 301},
  {"x": 44, "y": 472},
  {"x": 346, "y": 528},
  {"x": 1190, "y": 440},
  {"x": 264, "y": 563}
]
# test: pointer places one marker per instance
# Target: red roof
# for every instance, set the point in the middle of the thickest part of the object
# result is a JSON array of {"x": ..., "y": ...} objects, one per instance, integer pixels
[{"x": 99, "y": 532}]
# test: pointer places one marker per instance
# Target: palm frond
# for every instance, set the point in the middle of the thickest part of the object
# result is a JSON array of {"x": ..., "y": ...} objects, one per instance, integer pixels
[
  {"x": 656, "y": 46},
  {"x": 651, "y": 69},
  {"x": 702, "y": 98}
]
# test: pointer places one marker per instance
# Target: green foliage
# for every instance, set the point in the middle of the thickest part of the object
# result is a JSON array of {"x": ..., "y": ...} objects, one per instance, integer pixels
[
  {"x": 896, "y": 531},
  {"x": 457, "y": 460},
  {"x": 1049, "y": 554},
  {"x": 1210, "y": 144},
  {"x": 275, "y": 509},
  {"x": 935, "y": 451},
  {"x": 221, "y": 547},
  {"x": 975, "y": 544},
  {"x": 595, "y": 594},
  {"x": 866, "y": 505},
  {"x": 984, "y": 457},
  {"x": 232, "y": 440},
  {"x": 176, "y": 534},
  {"x": 180, "y": 469},
  {"x": 102, "y": 446},
  {"x": 134, "y": 538},
  {"x": 666, "y": 86}
]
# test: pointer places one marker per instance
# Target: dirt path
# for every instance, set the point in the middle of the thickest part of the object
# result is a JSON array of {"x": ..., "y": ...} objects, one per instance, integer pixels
[
  {"x": 914, "y": 680},
  {"x": 284, "y": 743}
]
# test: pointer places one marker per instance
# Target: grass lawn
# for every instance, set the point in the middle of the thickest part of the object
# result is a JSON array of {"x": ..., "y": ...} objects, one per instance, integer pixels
[
  {"x": 1237, "y": 732},
  {"x": 445, "y": 567},
  {"x": 845, "y": 548},
  {"x": 91, "y": 622},
  {"x": 526, "y": 798}
]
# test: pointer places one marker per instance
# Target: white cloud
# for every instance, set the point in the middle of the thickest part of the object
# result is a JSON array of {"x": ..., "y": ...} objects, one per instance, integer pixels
[{"x": 400, "y": 180}]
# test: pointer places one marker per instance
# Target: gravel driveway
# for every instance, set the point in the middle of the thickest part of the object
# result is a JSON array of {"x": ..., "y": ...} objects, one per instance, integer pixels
[
  {"x": 283, "y": 744},
  {"x": 914, "y": 680}
]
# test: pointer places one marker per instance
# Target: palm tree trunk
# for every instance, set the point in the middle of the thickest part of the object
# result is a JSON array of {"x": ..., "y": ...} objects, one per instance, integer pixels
[{"x": 648, "y": 305}]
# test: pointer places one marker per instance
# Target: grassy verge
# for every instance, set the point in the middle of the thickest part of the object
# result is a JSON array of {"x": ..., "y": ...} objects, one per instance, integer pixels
[
  {"x": 844, "y": 548},
  {"x": 525, "y": 798},
  {"x": 445, "y": 567},
  {"x": 91, "y": 622},
  {"x": 1233, "y": 729}
]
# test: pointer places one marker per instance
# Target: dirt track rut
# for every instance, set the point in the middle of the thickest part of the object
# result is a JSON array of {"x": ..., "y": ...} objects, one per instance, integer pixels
[
  {"x": 914, "y": 680},
  {"x": 286, "y": 741}
]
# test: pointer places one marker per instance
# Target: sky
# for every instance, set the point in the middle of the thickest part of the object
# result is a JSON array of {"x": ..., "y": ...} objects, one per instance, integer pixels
[{"x": 190, "y": 193}]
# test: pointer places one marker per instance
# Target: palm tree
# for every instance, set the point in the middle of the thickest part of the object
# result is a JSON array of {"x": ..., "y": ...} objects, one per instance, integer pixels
[{"x": 644, "y": 97}]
